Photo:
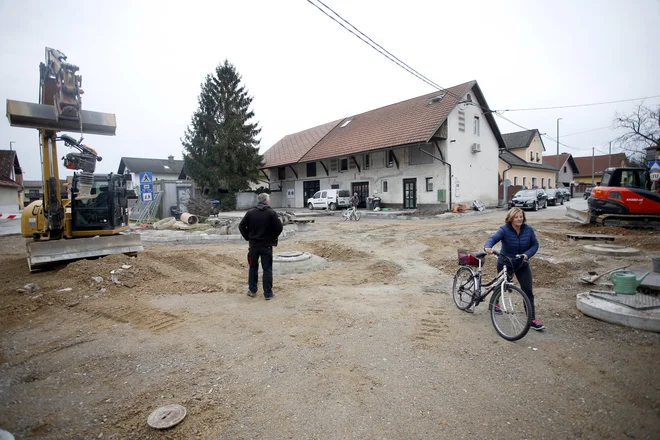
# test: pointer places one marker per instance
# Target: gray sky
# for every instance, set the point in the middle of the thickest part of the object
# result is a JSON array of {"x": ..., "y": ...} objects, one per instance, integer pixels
[{"x": 145, "y": 61}]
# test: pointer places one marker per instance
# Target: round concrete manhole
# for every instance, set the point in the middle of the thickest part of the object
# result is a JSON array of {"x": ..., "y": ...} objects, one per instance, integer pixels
[
  {"x": 614, "y": 250},
  {"x": 291, "y": 257},
  {"x": 296, "y": 262},
  {"x": 166, "y": 416}
]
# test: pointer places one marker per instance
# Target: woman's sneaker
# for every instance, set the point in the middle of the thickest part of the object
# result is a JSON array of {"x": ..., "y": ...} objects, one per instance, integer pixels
[
  {"x": 536, "y": 325},
  {"x": 498, "y": 311}
]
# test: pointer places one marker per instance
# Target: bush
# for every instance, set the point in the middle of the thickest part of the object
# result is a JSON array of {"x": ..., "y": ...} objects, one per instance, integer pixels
[{"x": 200, "y": 206}]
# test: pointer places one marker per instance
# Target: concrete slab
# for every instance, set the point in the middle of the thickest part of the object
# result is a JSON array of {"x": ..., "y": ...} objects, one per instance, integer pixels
[{"x": 644, "y": 314}]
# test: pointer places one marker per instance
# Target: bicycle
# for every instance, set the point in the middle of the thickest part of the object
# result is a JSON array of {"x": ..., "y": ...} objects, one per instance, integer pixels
[
  {"x": 510, "y": 309},
  {"x": 351, "y": 214}
]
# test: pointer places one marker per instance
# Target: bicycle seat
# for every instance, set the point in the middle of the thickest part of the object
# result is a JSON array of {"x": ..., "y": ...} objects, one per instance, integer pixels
[{"x": 479, "y": 254}]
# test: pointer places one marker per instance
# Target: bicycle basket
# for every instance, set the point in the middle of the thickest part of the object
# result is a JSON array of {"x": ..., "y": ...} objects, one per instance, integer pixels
[{"x": 467, "y": 259}]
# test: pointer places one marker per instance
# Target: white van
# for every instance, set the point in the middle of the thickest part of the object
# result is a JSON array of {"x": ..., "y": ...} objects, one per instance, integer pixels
[{"x": 330, "y": 199}]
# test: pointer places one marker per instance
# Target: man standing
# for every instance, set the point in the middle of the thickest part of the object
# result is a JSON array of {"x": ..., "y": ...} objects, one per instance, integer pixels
[{"x": 261, "y": 227}]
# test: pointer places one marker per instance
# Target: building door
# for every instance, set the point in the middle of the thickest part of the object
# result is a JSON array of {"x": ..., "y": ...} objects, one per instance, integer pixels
[
  {"x": 409, "y": 193},
  {"x": 362, "y": 190},
  {"x": 309, "y": 189}
]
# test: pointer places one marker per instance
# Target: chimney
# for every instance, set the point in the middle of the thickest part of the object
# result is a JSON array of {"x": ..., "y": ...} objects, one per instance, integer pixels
[{"x": 170, "y": 158}]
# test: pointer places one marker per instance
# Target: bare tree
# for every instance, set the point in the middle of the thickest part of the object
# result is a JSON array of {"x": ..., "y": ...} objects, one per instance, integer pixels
[{"x": 642, "y": 130}]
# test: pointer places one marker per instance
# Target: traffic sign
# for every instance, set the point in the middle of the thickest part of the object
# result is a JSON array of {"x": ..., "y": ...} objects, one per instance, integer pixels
[{"x": 146, "y": 186}]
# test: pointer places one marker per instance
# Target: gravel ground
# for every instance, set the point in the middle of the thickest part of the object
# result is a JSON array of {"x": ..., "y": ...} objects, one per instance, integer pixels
[{"x": 368, "y": 346}]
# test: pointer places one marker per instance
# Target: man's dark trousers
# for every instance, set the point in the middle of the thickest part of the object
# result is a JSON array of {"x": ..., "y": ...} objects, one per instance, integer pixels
[{"x": 266, "y": 255}]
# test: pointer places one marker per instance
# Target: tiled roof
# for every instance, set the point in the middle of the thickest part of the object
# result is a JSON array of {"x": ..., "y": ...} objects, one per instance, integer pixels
[
  {"x": 519, "y": 139},
  {"x": 600, "y": 163},
  {"x": 292, "y": 147},
  {"x": 516, "y": 161},
  {"x": 563, "y": 158},
  {"x": 8, "y": 161},
  {"x": 8, "y": 183},
  {"x": 408, "y": 122},
  {"x": 160, "y": 166}
]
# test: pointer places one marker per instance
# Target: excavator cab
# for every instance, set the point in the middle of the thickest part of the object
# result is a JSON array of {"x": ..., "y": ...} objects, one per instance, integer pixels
[{"x": 105, "y": 210}]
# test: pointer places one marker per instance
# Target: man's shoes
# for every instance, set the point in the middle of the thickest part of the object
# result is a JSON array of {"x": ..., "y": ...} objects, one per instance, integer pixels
[
  {"x": 271, "y": 295},
  {"x": 251, "y": 293},
  {"x": 536, "y": 325}
]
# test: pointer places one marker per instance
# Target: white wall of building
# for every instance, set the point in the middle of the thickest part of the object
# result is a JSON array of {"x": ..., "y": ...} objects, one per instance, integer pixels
[{"x": 9, "y": 202}]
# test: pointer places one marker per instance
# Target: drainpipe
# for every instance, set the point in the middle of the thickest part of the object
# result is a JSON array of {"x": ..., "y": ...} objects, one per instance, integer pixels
[
  {"x": 504, "y": 192},
  {"x": 443, "y": 161}
]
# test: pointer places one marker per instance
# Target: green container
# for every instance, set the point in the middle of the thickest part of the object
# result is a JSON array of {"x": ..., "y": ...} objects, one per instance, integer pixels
[{"x": 626, "y": 282}]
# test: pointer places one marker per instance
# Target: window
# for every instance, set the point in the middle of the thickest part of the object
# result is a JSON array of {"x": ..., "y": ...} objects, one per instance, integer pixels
[
  {"x": 281, "y": 173},
  {"x": 429, "y": 184},
  {"x": 389, "y": 163},
  {"x": 367, "y": 160},
  {"x": 351, "y": 163},
  {"x": 537, "y": 157},
  {"x": 524, "y": 181},
  {"x": 549, "y": 183},
  {"x": 534, "y": 182},
  {"x": 469, "y": 98},
  {"x": 334, "y": 165},
  {"x": 531, "y": 155},
  {"x": 461, "y": 120},
  {"x": 515, "y": 180},
  {"x": 384, "y": 186},
  {"x": 476, "y": 126},
  {"x": 564, "y": 168},
  {"x": 311, "y": 169},
  {"x": 343, "y": 164},
  {"x": 542, "y": 182},
  {"x": 348, "y": 121}
]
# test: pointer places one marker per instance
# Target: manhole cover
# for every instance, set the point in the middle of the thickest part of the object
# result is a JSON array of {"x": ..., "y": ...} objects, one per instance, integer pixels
[
  {"x": 166, "y": 416},
  {"x": 291, "y": 257},
  {"x": 610, "y": 249},
  {"x": 290, "y": 254}
]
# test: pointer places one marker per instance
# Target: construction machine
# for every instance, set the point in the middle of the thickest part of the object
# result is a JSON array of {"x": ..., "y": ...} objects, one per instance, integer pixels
[
  {"x": 624, "y": 198},
  {"x": 92, "y": 222}
]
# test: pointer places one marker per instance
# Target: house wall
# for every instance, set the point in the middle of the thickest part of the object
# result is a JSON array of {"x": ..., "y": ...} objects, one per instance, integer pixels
[
  {"x": 9, "y": 201},
  {"x": 474, "y": 175}
]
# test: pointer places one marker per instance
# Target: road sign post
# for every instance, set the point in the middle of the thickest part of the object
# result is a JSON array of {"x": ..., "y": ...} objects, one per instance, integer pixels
[{"x": 146, "y": 186}]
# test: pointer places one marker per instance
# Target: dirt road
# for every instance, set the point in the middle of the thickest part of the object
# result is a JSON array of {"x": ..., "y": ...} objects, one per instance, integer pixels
[{"x": 370, "y": 346}]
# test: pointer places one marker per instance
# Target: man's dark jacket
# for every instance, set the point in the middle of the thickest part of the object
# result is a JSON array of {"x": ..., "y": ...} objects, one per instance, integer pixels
[{"x": 261, "y": 226}]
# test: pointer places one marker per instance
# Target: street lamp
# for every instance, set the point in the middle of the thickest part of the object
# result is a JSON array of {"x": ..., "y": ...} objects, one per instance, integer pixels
[{"x": 557, "y": 179}]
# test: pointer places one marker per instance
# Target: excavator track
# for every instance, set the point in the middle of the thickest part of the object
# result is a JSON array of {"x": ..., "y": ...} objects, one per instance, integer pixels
[{"x": 630, "y": 221}]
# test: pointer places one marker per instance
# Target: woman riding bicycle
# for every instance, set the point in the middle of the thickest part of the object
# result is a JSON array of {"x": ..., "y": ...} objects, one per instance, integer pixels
[{"x": 517, "y": 238}]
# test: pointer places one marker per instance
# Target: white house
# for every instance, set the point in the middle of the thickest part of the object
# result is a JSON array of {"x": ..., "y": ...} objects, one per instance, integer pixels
[
  {"x": 432, "y": 151},
  {"x": 160, "y": 169},
  {"x": 11, "y": 183}
]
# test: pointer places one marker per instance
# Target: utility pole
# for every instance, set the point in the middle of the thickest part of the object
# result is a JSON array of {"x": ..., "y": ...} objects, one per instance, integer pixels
[
  {"x": 593, "y": 165},
  {"x": 11, "y": 142},
  {"x": 609, "y": 158},
  {"x": 557, "y": 179}
]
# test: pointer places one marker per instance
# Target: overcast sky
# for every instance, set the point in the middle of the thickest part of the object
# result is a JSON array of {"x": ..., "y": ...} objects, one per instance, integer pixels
[{"x": 144, "y": 61}]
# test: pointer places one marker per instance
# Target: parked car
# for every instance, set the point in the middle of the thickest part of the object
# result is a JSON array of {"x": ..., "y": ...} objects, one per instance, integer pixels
[
  {"x": 566, "y": 192},
  {"x": 555, "y": 196},
  {"x": 530, "y": 199},
  {"x": 587, "y": 193},
  {"x": 330, "y": 199}
]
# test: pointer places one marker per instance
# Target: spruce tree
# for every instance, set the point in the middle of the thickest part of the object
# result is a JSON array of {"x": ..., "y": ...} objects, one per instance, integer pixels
[{"x": 221, "y": 145}]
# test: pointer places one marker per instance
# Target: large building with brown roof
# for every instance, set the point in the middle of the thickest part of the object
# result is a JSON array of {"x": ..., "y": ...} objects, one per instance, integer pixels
[
  {"x": 435, "y": 150},
  {"x": 523, "y": 164},
  {"x": 591, "y": 167}
]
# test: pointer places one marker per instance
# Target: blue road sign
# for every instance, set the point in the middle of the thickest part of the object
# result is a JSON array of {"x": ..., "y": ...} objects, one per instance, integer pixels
[{"x": 146, "y": 186}]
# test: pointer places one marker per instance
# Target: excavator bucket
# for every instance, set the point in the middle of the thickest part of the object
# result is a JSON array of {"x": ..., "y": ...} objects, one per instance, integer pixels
[
  {"x": 44, "y": 117},
  {"x": 44, "y": 253},
  {"x": 576, "y": 214}
]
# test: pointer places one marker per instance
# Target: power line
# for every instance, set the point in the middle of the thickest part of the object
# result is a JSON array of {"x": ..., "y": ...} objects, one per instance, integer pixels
[
  {"x": 586, "y": 131},
  {"x": 578, "y": 105}
]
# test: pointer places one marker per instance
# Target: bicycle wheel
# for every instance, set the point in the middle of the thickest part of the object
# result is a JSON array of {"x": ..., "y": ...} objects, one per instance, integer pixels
[
  {"x": 345, "y": 214},
  {"x": 512, "y": 319},
  {"x": 463, "y": 290},
  {"x": 356, "y": 215}
]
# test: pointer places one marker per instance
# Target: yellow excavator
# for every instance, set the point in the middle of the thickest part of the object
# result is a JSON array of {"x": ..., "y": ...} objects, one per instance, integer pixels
[{"x": 93, "y": 220}]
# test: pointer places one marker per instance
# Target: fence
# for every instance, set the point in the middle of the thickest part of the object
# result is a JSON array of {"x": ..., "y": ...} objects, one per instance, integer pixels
[{"x": 143, "y": 211}]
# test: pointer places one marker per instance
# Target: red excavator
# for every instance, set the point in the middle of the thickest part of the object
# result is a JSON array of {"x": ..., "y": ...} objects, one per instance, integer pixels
[{"x": 623, "y": 198}]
